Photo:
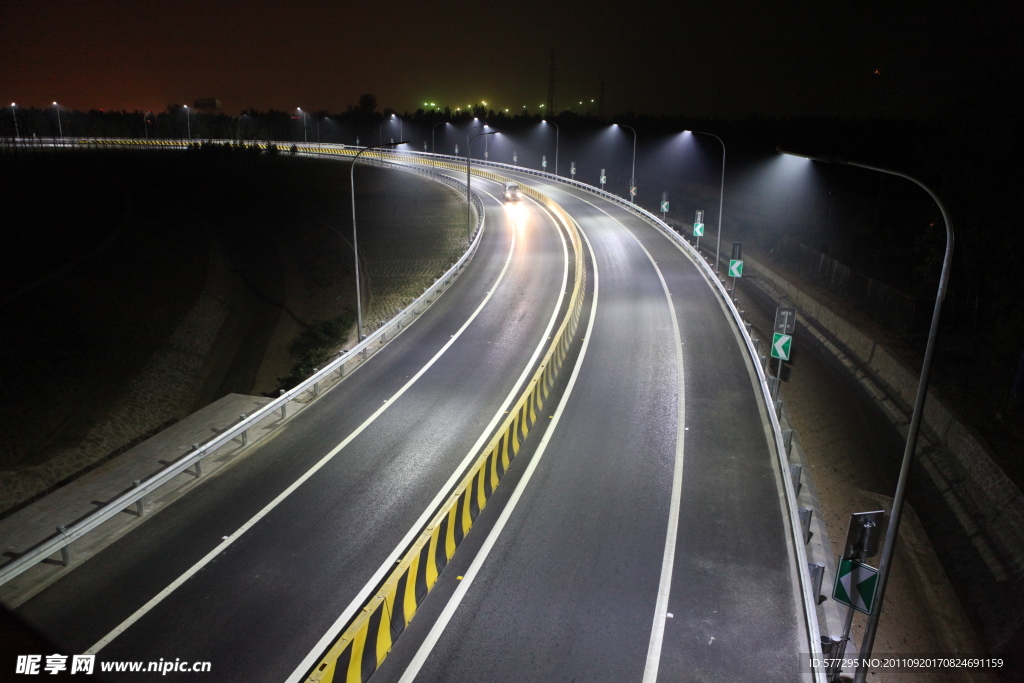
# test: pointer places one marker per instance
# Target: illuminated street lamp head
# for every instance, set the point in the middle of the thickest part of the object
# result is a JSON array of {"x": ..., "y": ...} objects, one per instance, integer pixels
[{"x": 809, "y": 157}]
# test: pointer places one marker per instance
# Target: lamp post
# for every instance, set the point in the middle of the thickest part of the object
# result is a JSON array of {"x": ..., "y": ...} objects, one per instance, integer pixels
[
  {"x": 14, "y": 115},
  {"x": 556, "y": 143},
  {"x": 355, "y": 243},
  {"x": 305, "y": 138},
  {"x": 59, "y": 127},
  {"x": 721, "y": 196},
  {"x": 188, "y": 122},
  {"x": 433, "y": 146},
  {"x": 469, "y": 157},
  {"x": 632, "y": 178},
  {"x": 889, "y": 546}
]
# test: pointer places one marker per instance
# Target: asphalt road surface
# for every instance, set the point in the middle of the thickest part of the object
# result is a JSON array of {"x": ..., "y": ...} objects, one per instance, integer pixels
[
  {"x": 261, "y": 606},
  {"x": 655, "y": 478},
  {"x": 569, "y": 589}
]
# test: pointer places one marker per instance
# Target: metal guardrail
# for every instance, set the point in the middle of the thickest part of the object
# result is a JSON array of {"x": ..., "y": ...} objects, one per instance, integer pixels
[{"x": 134, "y": 496}]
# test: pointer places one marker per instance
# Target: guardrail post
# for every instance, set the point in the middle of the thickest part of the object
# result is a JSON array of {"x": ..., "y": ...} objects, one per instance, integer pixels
[
  {"x": 65, "y": 551},
  {"x": 831, "y": 647},
  {"x": 749, "y": 327},
  {"x": 757, "y": 346},
  {"x": 778, "y": 408},
  {"x": 316, "y": 385},
  {"x": 764, "y": 364},
  {"x": 139, "y": 507},
  {"x": 199, "y": 469},
  {"x": 805, "y": 523},
  {"x": 284, "y": 406},
  {"x": 817, "y": 572},
  {"x": 795, "y": 470},
  {"x": 787, "y": 440},
  {"x": 245, "y": 432}
]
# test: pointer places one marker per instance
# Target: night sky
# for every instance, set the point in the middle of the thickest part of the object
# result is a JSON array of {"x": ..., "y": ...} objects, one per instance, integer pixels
[{"x": 721, "y": 58}]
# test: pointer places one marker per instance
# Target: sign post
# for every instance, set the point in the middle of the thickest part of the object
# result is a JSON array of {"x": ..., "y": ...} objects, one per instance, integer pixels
[
  {"x": 604, "y": 179},
  {"x": 856, "y": 582},
  {"x": 664, "y": 204},
  {"x": 782, "y": 340},
  {"x": 698, "y": 226},
  {"x": 736, "y": 264}
]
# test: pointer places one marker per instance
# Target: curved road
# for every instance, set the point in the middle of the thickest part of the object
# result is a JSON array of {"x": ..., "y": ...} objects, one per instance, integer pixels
[
  {"x": 261, "y": 605},
  {"x": 642, "y": 536},
  {"x": 569, "y": 588}
]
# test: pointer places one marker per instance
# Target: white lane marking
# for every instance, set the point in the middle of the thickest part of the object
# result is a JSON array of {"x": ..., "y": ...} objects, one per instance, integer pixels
[
  {"x": 668, "y": 559},
  {"x": 467, "y": 580},
  {"x": 363, "y": 595},
  {"x": 206, "y": 559}
]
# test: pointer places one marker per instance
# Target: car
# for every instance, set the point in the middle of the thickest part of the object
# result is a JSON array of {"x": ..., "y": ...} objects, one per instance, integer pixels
[{"x": 511, "y": 192}]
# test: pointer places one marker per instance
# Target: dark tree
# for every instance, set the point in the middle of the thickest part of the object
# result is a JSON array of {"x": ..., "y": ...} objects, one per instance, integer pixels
[{"x": 368, "y": 103}]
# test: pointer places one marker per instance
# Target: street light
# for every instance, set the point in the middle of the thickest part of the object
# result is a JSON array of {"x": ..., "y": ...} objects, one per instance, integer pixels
[
  {"x": 889, "y": 545},
  {"x": 305, "y": 138},
  {"x": 721, "y": 195},
  {"x": 188, "y": 122},
  {"x": 59, "y": 127},
  {"x": 469, "y": 157},
  {"x": 14, "y": 115},
  {"x": 355, "y": 244},
  {"x": 556, "y": 143},
  {"x": 632, "y": 179}
]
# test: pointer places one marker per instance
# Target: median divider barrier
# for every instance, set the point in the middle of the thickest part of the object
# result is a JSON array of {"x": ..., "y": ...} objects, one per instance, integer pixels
[
  {"x": 308, "y": 389},
  {"x": 368, "y": 639}
]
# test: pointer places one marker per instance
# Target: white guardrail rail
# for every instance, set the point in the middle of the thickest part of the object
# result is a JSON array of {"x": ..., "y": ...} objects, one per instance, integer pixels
[
  {"x": 403, "y": 159},
  {"x": 310, "y": 385}
]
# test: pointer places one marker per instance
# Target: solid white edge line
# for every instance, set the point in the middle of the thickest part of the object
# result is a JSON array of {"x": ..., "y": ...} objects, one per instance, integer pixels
[
  {"x": 668, "y": 560},
  {"x": 361, "y": 597},
  {"x": 467, "y": 580},
  {"x": 206, "y": 559}
]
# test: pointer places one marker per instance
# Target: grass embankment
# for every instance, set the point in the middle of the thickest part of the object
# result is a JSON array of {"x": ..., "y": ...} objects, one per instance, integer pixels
[{"x": 108, "y": 254}]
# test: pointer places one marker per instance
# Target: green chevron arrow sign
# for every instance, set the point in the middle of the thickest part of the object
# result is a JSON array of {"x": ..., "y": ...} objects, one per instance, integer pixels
[
  {"x": 698, "y": 229},
  {"x": 781, "y": 344},
  {"x": 664, "y": 207},
  {"x": 855, "y": 585},
  {"x": 735, "y": 268}
]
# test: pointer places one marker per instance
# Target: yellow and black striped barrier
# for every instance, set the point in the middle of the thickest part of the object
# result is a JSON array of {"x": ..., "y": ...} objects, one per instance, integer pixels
[{"x": 362, "y": 647}]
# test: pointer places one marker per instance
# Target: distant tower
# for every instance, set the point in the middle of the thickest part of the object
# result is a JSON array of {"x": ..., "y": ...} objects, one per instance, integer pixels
[
  {"x": 551, "y": 86},
  {"x": 600, "y": 102}
]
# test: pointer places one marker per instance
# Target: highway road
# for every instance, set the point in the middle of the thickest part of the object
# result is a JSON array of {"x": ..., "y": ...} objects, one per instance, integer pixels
[
  {"x": 566, "y": 585},
  {"x": 277, "y": 549},
  {"x": 642, "y": 536}
]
